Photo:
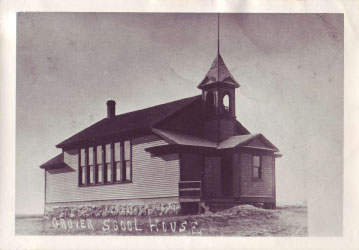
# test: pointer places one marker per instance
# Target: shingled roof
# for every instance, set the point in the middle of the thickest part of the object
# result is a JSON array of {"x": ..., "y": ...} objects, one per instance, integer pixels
[
  {"x": 218, "y": 73},
  {"x": 132, "y": 121}
]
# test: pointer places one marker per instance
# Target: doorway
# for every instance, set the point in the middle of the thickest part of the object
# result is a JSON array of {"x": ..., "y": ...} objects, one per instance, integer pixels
[{"x": 226, "y": 176}]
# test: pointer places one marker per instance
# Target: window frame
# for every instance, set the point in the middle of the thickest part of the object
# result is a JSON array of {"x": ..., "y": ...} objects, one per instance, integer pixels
[
  {"x": 88, "y": 167},
  {"x": 108, "y": 164},
  {"x": 104, "y": 162},
  {"x": 257, "y": 167},
  {"x": 124, "y": 161},
  {"x": 97, "y": 164},
  {"x": 114, "y": 170},
  {"x": 82, "y": 168}
]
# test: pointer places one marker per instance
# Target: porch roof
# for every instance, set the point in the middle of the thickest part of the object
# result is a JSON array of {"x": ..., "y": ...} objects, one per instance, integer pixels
[
  {"x": 175, "y": 137},
  {"x": 178, "y": 138}
]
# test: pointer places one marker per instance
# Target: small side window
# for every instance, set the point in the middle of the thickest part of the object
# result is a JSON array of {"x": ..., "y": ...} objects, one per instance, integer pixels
[{"x": 256, "y": 167}]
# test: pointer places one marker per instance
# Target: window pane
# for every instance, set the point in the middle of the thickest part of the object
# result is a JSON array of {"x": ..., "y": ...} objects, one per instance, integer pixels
[
  {"x": 128, "y": 170},
  {"x": 117, "y": 151},
  {"x": 109, "y": 173},
  {"x": 91, "y": 156},
  {"x": 255, "y": 172},
  {"x": 99, "y": 154},
  {"x": 256, "y": 161},
  {"x": 83, "y": 175},
  {"x": 91, "y": 172},
  {"x": 118, "y": 171},
  {"x": 82, "y": 157},
  {"x": 108, "y": 153},
  {"x": 99, "y": 173},
  {"x": 127, "y": 150}
]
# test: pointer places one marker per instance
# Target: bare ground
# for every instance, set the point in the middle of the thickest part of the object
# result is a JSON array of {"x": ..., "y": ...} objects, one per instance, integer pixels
[{"x": 243, "y": 220}]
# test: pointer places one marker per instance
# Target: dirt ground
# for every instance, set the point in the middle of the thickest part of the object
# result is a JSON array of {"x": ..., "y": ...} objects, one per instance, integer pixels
[{"x": 243, "y": 220}]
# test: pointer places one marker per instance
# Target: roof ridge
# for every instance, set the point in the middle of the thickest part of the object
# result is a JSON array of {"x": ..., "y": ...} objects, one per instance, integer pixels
[
  {"x": 158, "y": 105},
  {"x": 130, "y": 121}
]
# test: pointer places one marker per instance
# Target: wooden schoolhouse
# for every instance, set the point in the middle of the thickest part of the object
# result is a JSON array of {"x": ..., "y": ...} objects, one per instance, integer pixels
[{"x": 192, "y": 152}]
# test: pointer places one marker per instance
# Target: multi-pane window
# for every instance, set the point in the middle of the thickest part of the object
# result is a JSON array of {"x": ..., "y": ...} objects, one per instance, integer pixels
[
  {"x": 256, "y": 167},
  {"x": 99, "y": 165},
  {"x": 82, "y": 166},
  {"x": 127, "y": 153},
  {"x": 106, "y": 164},
  {"x": 91, "y": 169},
  {"x": 118, "y": 163}
]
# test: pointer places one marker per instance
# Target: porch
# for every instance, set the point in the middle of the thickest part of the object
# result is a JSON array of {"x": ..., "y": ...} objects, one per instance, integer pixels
[{"x": 192, "y": 198}]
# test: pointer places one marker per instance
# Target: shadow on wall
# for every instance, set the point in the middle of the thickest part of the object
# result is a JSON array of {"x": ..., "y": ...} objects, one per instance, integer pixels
[
  {"x": 65, "y": 169},
  {"x": 171, "y": 157}
]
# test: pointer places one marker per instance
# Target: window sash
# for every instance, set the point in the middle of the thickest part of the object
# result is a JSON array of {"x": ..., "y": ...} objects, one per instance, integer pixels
[
  {"x": 256, "y": 172},
  {"x": 118, "y": 170},
  {"x": 99, "y": 173},
  {"x": 117, "y": 151},
  {"x": 90, "y": 156},
  {"x": 108, "y": 172},
  {"x": 108, "y": 153},
  {"x": 256, "y": 161},
  {"x": 91, "y": 174},
  {"x": 82, "y": 157},
  {"x": 128, "y": 170},
  {"x": 82, "y": 175},
  {"x": 99, "y": 154},
  {"x": 127, "y": 149}
]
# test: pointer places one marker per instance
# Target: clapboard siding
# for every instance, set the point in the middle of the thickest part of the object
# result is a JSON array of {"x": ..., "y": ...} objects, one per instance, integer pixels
[
  {"x": 151, "y": 177},
  {"x": 262, "y": 187}
]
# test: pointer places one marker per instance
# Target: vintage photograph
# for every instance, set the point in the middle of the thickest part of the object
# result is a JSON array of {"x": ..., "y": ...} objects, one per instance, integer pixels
[{"x": 195, "y": 124}]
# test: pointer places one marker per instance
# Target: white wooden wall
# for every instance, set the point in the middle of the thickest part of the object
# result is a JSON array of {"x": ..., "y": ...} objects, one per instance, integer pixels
[{"x": 151, "y": 177}]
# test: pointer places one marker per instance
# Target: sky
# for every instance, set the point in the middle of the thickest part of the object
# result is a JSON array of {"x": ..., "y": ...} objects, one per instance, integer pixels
[{"x": 290, "y": 68}]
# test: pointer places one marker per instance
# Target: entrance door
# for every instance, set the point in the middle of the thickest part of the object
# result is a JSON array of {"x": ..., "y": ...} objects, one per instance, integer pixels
[
  {"x": 226, "y": 176},
  {"x": 212, "y": 176}
]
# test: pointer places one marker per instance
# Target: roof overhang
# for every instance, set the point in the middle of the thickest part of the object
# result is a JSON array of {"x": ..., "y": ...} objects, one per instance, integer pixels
[
  {"x": 54, "y": 163},
  {"x": 238, "y": 141},
  {"x": 179, "y": 142}
]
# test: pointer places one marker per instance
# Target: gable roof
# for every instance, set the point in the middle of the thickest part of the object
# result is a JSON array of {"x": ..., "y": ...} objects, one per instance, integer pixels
[
  {"x": 132, "y": 121},
  {"x": 244, "y": 140},
  {"x": 218, "y": 73}
]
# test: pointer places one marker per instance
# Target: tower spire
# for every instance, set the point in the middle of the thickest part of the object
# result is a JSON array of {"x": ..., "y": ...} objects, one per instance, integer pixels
[{"x": 218, "y": 34}]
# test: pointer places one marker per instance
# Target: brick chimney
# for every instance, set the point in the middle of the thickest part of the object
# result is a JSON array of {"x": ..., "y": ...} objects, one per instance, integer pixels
[{"x": 111, "y": 112}]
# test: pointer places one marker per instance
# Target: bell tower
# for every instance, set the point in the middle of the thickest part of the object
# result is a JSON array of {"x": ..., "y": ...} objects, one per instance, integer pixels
[{"x": 218, "y": 98}]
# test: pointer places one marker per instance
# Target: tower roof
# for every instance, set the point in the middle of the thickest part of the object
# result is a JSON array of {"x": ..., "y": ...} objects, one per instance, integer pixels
[{"x": 218, "y": 73}]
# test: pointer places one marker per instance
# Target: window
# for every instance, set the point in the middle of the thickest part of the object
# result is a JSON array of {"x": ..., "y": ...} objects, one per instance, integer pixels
[
  {"x": 108, "y": 165},
  {"x": 256, "y": 167},
  {"x": 90, "y": 168},
  {"x": 128, "y": 161},
  {"x": 118, "y": 163},
  {"x": 99, "y": 164},
  {"x": 105, "y": 164},
  {"x": 82, "y": 172}
]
